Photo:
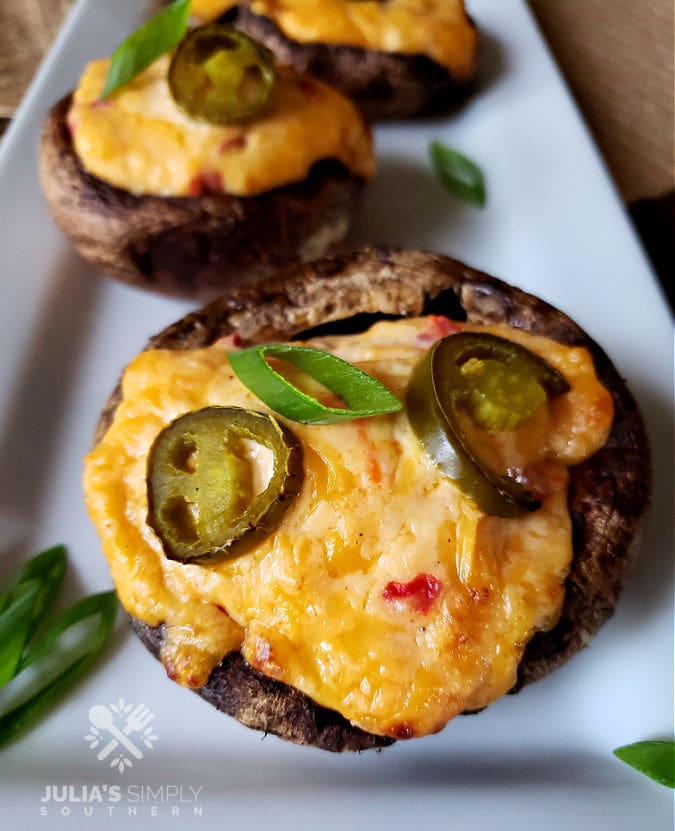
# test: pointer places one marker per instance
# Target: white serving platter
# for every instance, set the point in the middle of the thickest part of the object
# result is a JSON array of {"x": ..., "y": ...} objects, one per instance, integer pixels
[{"x": 554, "y": 226}]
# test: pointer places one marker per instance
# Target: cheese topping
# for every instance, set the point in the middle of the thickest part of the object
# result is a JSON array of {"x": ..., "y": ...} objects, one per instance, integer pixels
[
  {"x": 139, "y": 139},
  {"x": 385, "y": 593},
  {"x": 439, "y": 29},
  {"x": 205, "y": 11}
]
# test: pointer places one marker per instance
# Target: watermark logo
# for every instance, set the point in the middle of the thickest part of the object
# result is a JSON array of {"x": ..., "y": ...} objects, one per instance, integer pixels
[
  {"x": 140, "y": 801},
  {"x": 111, "y": 728},
  {"x": 120, "y": 735}
]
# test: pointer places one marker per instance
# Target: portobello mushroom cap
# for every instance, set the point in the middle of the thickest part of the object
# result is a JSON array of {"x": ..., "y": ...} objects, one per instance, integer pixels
[
  {"x": 195, "y": 247},
  {"x": 385, "y": 85},
  {"x": 608, "y": 494}
]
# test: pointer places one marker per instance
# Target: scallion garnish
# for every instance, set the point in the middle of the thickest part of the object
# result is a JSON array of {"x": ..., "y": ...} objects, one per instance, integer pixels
[
  {"x": 656, "y": 759},
  {"x": 457, "y": 173},
  {"x": 149, "y": 42},
  {"x": 22, "y": 605},
  {"x": 362, "y": 395},
  {"x": 23, "y": 608}
]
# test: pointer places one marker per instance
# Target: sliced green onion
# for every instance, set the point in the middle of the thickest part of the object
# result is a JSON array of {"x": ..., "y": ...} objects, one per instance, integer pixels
[
  {"x": 153, "y": 39},
  {"x": 102, "y": 608},
  {"x": 362, "y": 394},
  {"x": 15, "y": 624},
  {"x": 104, "y": 603},
  {"x": 655, "y": 759},
  {"x": 22, "y": 606},
  {"x": 457, "y": 173},
  {"x": 49, "y": 567}
]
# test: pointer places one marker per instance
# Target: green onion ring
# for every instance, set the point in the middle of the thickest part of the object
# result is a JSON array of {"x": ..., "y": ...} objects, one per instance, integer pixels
[{"x": 363, "y": 395}]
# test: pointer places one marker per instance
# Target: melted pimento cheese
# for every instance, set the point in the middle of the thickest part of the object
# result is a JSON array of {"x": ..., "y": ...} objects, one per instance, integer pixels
[
  {"x": 439, "y": 29},
  {"x": 141, "y": 141},
  {"x": 384, "y": 594}
]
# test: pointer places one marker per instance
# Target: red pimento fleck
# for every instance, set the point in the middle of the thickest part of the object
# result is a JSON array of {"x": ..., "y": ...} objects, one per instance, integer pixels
[
  {"x": 100, "y": 102},
  {"x": 308, "y": 87},
  {"x": 233, "y": 143},
  {"x": 420, "y": 592},
  {"x": 208, "y": 182},
  {"x": 374, "y": 469},
  {"x": 438, "y": 326},
  {"x": 232, "y": 339}
]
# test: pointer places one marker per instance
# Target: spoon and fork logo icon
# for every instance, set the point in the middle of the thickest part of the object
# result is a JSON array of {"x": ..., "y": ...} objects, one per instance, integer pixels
[{"x": 119, "y": 721}]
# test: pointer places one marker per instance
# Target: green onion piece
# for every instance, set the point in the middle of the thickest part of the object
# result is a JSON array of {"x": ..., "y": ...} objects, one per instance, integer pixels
[
  {"x": 153, "y": 39},
  {"x": 457, "y": 173},
  {"x": 49, "y": 567},
  {"x": 655, "y": 759},
  {"x": 22, "y": 606},
  {"x": 102, "y": 608},
  {"x": 15, "y": 624},
  {"x": 362, "y": 394}
]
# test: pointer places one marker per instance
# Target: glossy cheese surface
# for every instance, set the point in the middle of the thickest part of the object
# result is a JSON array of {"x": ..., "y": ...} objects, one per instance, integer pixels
[
  {"x": 385, "y": 593},
  {"x": 439, "y": 29},
  {"x": 204, "y": 11},
  {"x": 140, "y": 141}
]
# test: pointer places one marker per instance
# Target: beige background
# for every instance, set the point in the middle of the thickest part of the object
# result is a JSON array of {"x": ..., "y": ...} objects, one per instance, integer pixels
[{"x": 616, "y": 54}]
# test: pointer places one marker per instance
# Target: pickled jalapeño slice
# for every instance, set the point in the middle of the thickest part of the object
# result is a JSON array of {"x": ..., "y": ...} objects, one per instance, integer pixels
[
  {"x": 495, "y": 383},
  {"x": 221, "y": 75},
  {"x": 202, "y": 502}
]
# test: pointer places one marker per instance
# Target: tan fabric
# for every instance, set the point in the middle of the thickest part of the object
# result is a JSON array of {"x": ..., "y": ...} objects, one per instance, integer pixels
[
  {"x": 617, "y": 56},
  {"x": 27, "y": 27}
]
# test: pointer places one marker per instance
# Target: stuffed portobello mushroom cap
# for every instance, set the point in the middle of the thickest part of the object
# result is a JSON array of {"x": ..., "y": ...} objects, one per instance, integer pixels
[
  {"x": 192, "y": 246},
  {"x": 608, "y": 494},
  {"x": 385, "y": 85}
]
